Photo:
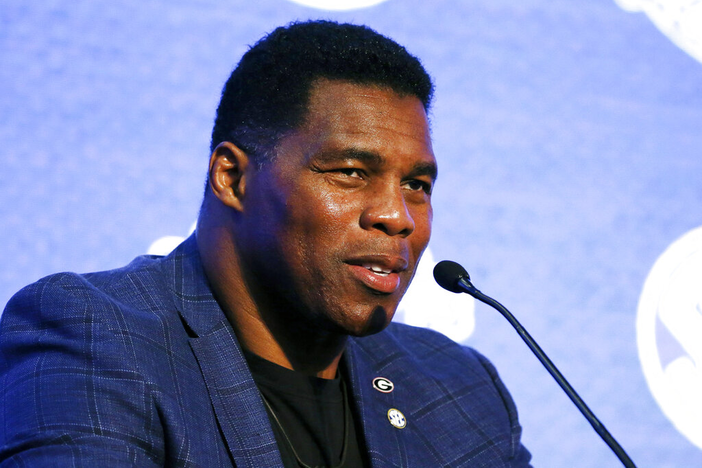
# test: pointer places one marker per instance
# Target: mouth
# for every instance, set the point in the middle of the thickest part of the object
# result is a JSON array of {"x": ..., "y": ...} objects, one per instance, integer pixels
[
  {"x": 378, "y": 270},
  {"x": 379, "y": 273}
]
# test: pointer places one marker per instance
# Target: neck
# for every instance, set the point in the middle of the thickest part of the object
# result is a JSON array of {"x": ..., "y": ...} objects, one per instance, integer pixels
[{"x": 262, "y": 326}]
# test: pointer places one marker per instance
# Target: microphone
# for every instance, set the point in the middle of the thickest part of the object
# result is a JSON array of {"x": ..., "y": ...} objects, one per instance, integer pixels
[{"x": 453, "y": 277}]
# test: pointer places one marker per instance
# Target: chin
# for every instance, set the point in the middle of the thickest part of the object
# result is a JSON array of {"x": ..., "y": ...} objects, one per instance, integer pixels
[{"x": 374, "y": 323}]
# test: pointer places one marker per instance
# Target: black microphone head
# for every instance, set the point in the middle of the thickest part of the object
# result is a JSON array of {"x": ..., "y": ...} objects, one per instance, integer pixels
[{"x": 448, "y": 274}]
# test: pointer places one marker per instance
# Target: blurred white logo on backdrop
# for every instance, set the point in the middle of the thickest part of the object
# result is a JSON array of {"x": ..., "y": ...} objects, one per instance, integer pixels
[
  {"x": 338, "y": 5},
  {"x": 165, "y": 245},
  {"x": 669, "y": 334},
  {"x": 680, "y": 20},
  {"x": 426, "y": 304}
]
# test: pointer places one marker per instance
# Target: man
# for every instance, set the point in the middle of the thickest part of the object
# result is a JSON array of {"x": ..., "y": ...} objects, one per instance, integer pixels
[{"x": 264, "y": 339}]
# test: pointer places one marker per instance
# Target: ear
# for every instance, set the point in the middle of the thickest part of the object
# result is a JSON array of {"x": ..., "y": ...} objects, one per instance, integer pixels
[{"x": 227, "y": 176}]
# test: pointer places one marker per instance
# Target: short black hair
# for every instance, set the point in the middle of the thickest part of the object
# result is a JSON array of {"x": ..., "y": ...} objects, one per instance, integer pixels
[{"x": 268, "y": 92}]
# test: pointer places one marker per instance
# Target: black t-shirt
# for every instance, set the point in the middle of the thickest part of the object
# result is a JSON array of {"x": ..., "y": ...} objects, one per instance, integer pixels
[{"x": 313, "y": 414}]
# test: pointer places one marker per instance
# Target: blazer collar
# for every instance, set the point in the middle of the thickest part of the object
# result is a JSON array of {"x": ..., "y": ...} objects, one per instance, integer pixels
[
  {"x": 233, "y": 393},
  {"x": 190, "y": 289}
]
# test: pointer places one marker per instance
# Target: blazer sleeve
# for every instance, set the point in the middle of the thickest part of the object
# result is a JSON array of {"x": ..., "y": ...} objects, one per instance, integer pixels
[
  {"x": 520, "y": 455},
  {"x": 71, "y": 393}
]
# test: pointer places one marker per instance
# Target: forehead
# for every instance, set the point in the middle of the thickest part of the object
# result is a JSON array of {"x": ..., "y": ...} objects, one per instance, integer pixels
[{"x": 342, "y": 114}]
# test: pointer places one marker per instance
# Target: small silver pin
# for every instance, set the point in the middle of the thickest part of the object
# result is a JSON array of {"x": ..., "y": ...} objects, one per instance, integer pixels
[
  {"x": 383, "y": 385},
  {"x": 396, "y": 418}
]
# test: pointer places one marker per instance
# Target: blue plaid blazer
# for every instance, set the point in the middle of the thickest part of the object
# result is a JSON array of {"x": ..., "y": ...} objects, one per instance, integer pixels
[{"x": 139, "y": 367}]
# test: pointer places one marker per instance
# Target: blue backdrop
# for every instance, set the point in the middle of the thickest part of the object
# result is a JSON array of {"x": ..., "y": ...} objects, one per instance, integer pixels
[{"x": 568, "y": 135}]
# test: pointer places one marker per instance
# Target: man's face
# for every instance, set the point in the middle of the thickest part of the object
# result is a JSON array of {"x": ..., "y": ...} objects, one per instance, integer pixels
[{"x": 335, "y": 225}]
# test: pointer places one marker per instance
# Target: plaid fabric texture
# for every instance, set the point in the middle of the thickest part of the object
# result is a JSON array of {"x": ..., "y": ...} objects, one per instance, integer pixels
[{"x": 139, "y": 367}]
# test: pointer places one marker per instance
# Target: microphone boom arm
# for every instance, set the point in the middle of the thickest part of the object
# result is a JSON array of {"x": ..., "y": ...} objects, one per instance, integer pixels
[{"x": 465, "y": 284}]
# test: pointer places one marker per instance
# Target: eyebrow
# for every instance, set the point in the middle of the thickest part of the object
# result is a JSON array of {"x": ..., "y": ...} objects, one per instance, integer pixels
[
  {"x": 426, "y": 169},
  {"x": 374, "y": 159},
  {"x": 367, "y": 157}
]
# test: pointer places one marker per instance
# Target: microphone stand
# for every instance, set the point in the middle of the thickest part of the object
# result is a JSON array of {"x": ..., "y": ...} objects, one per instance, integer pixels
[{"x": 468, "y": 287}]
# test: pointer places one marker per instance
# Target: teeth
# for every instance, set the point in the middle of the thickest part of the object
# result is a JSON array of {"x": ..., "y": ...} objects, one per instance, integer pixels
[{"x": 378, "y": 270}]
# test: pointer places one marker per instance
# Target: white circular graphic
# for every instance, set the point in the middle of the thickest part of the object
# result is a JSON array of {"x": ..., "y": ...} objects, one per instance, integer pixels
[
  {"x": 669, "y": 334},
  {"x": 428, "y": 305},
  {"x": 680, "y": 20},
  {"x": 338, "y": 5},
  {"x": 396, "y": 418},
  {"x": 165, "y": 245}
]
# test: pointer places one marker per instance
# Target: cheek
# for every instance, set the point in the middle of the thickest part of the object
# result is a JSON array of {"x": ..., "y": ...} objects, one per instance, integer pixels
[
  {"x": 315, "y": 231},
  {"x": 422, "y": 226},
  {"x": 328, "y": 214},
  {"x": 338, "y": 205}
]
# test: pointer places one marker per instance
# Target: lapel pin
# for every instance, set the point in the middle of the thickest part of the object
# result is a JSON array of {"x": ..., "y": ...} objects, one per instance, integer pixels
[
  {"x": 383, "y": 385},
  {"x": 396, "y": 418}
]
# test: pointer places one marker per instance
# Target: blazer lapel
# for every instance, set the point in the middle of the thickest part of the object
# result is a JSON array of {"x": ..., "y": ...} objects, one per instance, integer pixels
[
  {"x": 385, "y": 444},
  {"x": 235, "y": 399}
]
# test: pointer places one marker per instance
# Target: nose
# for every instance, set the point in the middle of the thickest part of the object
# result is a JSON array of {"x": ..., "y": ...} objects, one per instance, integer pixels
[{"x": 388, "y": 212}]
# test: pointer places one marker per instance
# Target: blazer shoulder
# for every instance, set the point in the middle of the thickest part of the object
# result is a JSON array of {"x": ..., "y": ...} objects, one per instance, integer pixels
[
  {"x": 429, "y": 346},
  {"x": 437, "y": 354},
  {"x": 70, "y": 363},
  {"x": 64, "y": 295}
]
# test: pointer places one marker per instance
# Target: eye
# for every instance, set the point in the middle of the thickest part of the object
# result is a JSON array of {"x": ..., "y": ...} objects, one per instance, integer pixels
[
  {"x": 416, "y": 185},
  {"x": 345, "y": 177},
  {"x": 350, "y": 172}
]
